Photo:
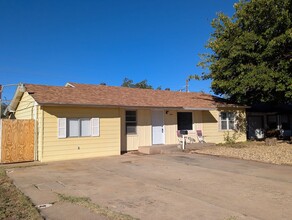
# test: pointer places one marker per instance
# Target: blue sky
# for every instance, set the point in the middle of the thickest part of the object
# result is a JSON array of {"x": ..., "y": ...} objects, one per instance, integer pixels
[{"x": 92, "y": 41}]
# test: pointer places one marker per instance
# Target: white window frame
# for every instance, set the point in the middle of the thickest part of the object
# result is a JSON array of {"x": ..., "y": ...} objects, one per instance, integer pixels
[
  {"x": 64, "y": 129},
  {"x": 228, "y": 121}
]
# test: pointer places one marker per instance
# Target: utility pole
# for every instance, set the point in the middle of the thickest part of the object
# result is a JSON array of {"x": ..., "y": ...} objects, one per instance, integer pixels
[{"x": 187, "y": 84}]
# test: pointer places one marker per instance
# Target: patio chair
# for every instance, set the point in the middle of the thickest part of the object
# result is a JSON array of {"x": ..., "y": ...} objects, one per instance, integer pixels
[{"x": 200, "y": 136}]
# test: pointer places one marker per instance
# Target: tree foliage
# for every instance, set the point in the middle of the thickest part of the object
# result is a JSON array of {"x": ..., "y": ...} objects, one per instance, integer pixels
[
  {"x": 251, "y": 58},
  {"x": 142, "y": 85},
  {"x": 130, "y": 84}
]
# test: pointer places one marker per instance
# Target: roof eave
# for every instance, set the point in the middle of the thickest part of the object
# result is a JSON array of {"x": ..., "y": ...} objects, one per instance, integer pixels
[
  {"x": 200, "y": 109},
  {"x": 105, "y": 106},
  {"x": 138, "y": 106},
  {"x": 233, "y": 106}
]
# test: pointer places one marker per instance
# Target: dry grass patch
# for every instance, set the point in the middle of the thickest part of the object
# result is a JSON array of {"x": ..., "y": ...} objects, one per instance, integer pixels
[
  {"x": 252, "y": 150},
  {"x": 13, "y": 203},
  {"x": 86, "y": 202}
]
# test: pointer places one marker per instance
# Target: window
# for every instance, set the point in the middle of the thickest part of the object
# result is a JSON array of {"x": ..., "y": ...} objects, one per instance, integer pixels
[
  {"x": 85, "y": 127},
  {"x": 73, "y": 128},
  {"x": 227, "y": 120},
  {"x": 185, "y": 121},
  {"x": 78, "y": 127},
  {"x": 131, "y": 122}
]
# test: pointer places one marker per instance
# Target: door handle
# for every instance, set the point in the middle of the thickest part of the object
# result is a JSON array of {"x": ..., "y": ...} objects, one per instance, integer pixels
[{"x": 162, "y": 130}]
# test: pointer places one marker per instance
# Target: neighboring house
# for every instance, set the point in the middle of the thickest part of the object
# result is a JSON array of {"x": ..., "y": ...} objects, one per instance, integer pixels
[
  {"x": 81, "y": 121},
  {"x": 269, "y": 117}
]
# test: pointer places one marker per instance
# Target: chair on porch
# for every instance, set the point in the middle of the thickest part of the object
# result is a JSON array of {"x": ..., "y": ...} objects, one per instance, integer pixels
[{"x": 200, "y": 136}]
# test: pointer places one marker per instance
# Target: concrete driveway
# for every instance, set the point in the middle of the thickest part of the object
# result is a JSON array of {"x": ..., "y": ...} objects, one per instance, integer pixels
[{"x": 173, "y": 186}]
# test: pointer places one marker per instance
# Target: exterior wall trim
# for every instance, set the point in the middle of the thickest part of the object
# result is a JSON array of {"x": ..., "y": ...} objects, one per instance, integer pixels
[{"x": 35, "y": 117}]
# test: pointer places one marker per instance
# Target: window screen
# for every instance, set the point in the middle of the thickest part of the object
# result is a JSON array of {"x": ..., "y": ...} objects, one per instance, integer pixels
[
  {"x": 227, "y": 120},
  {"x": 78, "y": 127},
  {"x": 73, "y": 125},
  {"x": 85, "y": 127},
  {"x": 131, "y": 122}
]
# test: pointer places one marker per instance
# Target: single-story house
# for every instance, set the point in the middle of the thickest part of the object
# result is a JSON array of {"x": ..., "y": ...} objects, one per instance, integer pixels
[
  {"x": 81, "y": 121},
  {"x": 266, "y": 117}
]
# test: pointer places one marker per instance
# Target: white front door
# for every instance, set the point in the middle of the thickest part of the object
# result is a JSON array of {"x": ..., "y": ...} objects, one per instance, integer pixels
[{"x": 157, "y": 127}]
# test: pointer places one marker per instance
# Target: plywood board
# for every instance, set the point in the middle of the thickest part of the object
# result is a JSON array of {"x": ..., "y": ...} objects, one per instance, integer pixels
[{"x": 17, "y": 141}]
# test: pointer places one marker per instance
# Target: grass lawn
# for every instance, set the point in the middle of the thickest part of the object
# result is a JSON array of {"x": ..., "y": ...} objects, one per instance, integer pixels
[{"x": 13, "y": 203}]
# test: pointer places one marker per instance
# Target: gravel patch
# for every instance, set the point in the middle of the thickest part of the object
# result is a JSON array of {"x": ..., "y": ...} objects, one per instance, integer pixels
[{"x": 257, "y": 151}]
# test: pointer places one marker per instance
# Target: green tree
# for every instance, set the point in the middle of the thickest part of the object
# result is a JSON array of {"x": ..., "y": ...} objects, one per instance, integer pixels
[
  {"x": 127, "y": 83},
  {"x": 142, "y": 85},
  {"x": 251, "y": 52}
]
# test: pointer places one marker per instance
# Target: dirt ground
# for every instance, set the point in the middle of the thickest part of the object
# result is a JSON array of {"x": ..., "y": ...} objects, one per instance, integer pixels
[
  {"x": 13, "y": 204},
  {"x": 169, "y": 186},
  {"x": 281, "y": 153}
]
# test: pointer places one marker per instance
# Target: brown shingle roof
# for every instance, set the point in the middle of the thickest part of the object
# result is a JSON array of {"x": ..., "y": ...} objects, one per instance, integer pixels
[{"x": 100, "y": 95}]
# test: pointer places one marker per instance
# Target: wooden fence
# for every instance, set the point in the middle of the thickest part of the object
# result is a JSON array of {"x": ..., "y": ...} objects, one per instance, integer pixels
[{"x": 16, "y": 140}]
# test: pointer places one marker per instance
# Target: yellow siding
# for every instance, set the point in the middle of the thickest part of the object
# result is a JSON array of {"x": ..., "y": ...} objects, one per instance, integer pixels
[
  {"x": 143, "y": 136},
  {"x": 170, "y": 121},
  {"x": 171, "y": 126},
  {"x": 144, "y": 128},
  {"x": 25, "y": 107},
  {"x": 207, "y": 121},
  {"x": 40, "y": 131},
  {"x": 197, "y": 120},
  {"x": 211, "y": 129},
  {"x": 123, "y": 131},
  {"x": 113, "y": 138},
  {"x": 54, "y": 148}
]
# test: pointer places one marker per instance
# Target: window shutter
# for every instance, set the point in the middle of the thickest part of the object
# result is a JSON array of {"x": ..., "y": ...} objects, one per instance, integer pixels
[
  {"x": 62, "y": 133},
  {"x": 95, "y": 126}
]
